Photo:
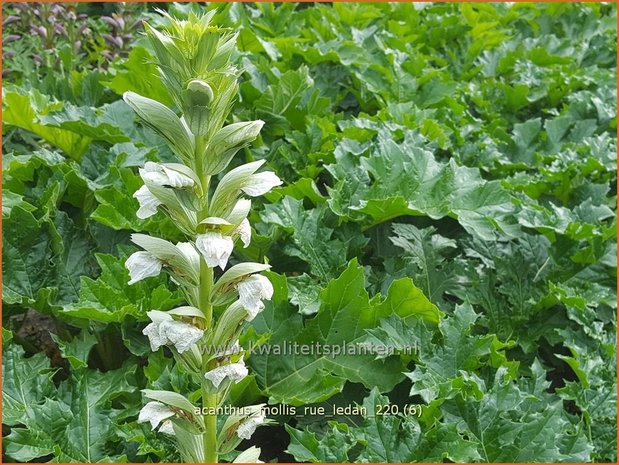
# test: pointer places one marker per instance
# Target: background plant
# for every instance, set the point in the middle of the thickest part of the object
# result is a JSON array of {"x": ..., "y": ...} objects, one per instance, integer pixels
[
  {"x": 60, "y": 50},
  {"x": 505, "y": 114}
]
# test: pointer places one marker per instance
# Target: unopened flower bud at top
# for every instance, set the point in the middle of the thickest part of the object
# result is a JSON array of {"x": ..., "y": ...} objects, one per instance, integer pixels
[
  {"x": 197, "y": 99},
  {"x": 200, "y": 92}
]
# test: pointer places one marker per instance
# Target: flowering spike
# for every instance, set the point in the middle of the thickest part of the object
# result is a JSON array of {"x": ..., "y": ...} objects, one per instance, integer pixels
[{"x": 193, "y": 58}]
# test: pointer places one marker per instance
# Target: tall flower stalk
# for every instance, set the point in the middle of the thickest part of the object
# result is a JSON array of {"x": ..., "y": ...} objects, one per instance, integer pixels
[{"x": 193, "y": 61}]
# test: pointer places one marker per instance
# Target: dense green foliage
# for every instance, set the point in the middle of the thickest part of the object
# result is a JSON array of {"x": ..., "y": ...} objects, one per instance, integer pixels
[{"x": 449, "y": 184}]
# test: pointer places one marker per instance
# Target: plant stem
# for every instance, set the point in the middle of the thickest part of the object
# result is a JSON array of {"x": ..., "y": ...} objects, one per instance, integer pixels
[
  {"x": 205, "y": 179},
  {"x": 209, "y": 401},
  {"x": 210, "y": 435}
]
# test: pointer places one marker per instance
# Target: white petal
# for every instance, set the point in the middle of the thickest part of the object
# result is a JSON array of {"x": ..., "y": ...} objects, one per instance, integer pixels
[
  {"x": 142, "y": 265},
  {"x": 215, "y": 248},
  {"x": 153, "y": 172},
  {"x": 252, "y": 313},
  {"x": 233, "y": 371},
  {"x": 148, "y": 203},
  {"x": 181, "y": 335},
  {"x": 244, "y": 232},
  {"x": 247, "y": 428},
  {"x": 155, "y": 413},
  {"x": 157, "y": 316},
  {"x": 251, "y": 455},
  {"x": 167, "y": 428},
  {"x": 261, "y": 183},
  {"x": 164, "y": 176},
  {"x": 190, "y": 252},
  {"x": 241, "y": 210},
  {"x": 251, "y": 292},
  {"x": 155, "y": 339},
  {"x": 178, "y": 179}
]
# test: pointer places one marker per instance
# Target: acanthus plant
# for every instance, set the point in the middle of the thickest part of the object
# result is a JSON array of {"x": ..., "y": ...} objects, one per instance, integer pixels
[{"x": 193, "y": 58}]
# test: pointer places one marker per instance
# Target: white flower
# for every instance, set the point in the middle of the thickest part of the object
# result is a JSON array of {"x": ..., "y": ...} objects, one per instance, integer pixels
[
  {"x": 156, "y": 340},
  {"x": 261, "y": 183},
  {"x": 142, "y": 265},
  {"x": 216, "y": 248},
  {"x": 181, "y": 335},
  {"x": 244, "y": 232},
  {"x": 166, "y": 330},
  {"x": 164, "y": 176},
  {"x": 231, "y": 350},
  {"x": 155, "y": 413},
  {"x": 167, "y": 428},
  {"x": 251, "y": 292},
  {"x": 233, "y": 371},
  {"x": 249, "y": 425},
  {"x": 148, "y": 203}
]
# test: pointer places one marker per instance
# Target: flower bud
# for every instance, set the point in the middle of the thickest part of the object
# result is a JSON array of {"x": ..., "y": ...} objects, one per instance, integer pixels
[
  {"x": 202, "y": 94},
  {"x": 10, "y": 20},
  {"x": 115, "y": 41},
  {"x": 60, "y": 29},
  {"x": 197, "y": 99},
  {"x": 41, "y": 31},
  {"x": 111, "y": 21},
  {"x": 11, "y": 38}
]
